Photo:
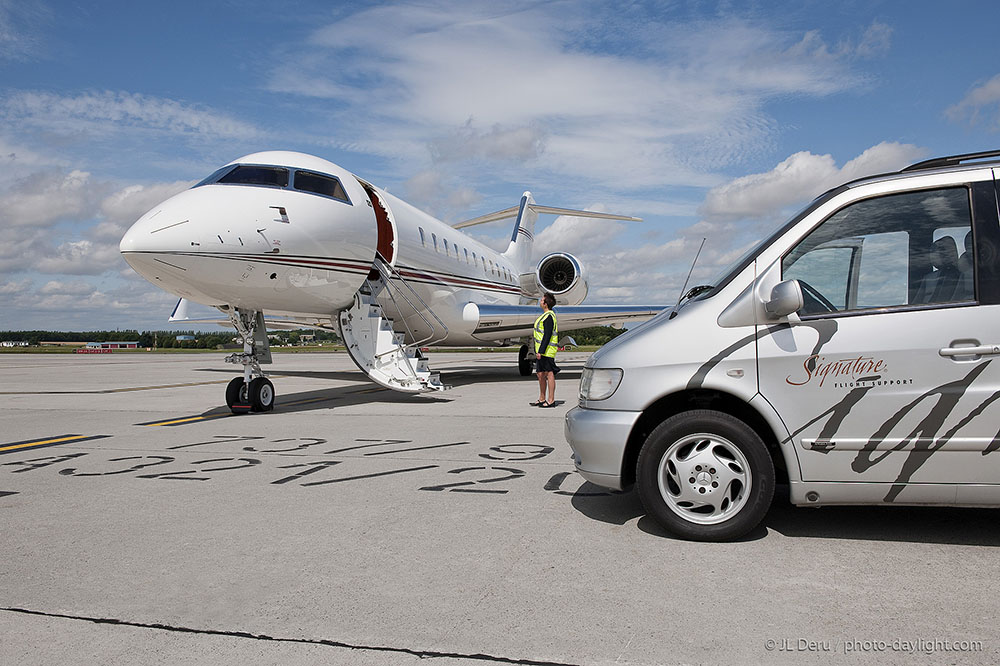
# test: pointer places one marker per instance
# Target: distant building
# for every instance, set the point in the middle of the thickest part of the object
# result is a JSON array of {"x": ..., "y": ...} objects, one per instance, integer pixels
[
  {"x": 185, "y": 338},
  {"x": 113, "y": 345}
]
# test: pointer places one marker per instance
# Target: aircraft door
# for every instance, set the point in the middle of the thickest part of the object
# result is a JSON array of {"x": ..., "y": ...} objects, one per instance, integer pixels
[{"x": 386, "y": 245}]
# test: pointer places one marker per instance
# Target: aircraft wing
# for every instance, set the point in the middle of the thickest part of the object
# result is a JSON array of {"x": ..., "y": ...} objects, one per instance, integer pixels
[
  {"x": 512, "y": 321},
  {"x": 288, "y": 323}
]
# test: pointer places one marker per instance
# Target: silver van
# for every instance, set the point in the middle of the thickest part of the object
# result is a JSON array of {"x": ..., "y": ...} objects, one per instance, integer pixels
[{"x": 854, "y": 354}]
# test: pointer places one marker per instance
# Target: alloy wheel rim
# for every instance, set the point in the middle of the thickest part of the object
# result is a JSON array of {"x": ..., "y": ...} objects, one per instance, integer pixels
[{"x": 704, "y": 478}]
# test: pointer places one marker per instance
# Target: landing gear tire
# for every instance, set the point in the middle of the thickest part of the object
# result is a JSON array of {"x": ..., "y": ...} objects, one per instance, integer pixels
[
  {"x": 523, "y": 362},
  {"x": 705, "y": 476},
  {"x": 237, "y": 398},
  {"x": 261, "y": 394}
]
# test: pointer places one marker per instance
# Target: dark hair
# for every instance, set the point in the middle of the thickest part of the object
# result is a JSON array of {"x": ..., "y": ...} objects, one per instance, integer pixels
[{"x": 549, "y": 299}]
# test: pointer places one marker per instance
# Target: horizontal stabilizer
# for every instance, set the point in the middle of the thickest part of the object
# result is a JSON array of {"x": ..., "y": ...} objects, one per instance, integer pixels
[
  {"x": 495, "y": 322},
  {"x": 509, "y": 213}
]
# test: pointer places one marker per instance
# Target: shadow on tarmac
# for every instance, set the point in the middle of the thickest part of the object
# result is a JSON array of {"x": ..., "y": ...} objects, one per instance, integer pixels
[
  {"x": 361, "y": 391},
  {"x": 903, "y": 524}
]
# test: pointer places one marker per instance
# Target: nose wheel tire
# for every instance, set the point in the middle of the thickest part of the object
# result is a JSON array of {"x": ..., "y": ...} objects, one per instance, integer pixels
[
  {"x": 706, "y": 476},
  {"x": 257, "y": 396},
  {"x": 261, "y": 394}
]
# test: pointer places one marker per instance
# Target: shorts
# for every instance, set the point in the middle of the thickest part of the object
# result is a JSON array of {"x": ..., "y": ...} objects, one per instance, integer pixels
[{"x": 546, "y": 364}]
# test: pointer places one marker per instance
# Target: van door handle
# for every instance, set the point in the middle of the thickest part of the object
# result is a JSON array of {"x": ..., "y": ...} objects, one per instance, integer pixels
[{"x": 977, "y": 351}]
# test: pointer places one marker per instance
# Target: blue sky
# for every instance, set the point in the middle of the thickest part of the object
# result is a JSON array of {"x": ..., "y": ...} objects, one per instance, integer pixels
[{"x": 712, "y": 120}]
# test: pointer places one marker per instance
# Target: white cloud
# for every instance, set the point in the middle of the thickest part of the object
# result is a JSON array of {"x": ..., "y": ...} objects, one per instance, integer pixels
[
  {"x": 46, "y": 197},
  {"x": 981, "y": 105},
  {"x": 799, "y": 178},
  {"x": 111, "y": 111},
  {"x": 20, "y": 25},
  {"x": 501, "y": 143},
  {"x": 8, "y": 288},
  {"x": 514, "y": 84},
  {"x": 77, "y": 288},
  {"x": 83, "y": 257}
]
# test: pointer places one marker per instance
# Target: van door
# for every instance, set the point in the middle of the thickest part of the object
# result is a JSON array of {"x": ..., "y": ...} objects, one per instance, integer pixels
[{"x": 890, "y": 372}]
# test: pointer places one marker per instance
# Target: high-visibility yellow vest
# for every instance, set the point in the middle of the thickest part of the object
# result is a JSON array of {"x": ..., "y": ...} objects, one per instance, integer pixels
[{"x": 550, "y": 350}]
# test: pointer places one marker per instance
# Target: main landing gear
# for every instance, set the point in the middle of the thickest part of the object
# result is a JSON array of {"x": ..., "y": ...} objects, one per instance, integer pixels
[
  {"x": 253, "y": 392},
  {"x": 525, "y": 361}
]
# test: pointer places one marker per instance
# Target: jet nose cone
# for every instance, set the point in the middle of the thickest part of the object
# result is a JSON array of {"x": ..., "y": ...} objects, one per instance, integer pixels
[{"x": 130, "y": 241}]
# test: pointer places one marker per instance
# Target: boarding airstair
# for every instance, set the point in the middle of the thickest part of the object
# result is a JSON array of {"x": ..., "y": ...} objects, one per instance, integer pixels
[{"x": 376, "y": 347}]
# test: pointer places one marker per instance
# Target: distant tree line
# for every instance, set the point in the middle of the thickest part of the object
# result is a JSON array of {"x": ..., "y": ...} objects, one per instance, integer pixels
[
  {"x": 162, "y": 339},
  {"x": 595, "y": 335}
]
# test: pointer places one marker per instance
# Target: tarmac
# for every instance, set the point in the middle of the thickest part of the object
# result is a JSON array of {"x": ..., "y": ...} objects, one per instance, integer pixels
[{"x": 142, "y": 523}]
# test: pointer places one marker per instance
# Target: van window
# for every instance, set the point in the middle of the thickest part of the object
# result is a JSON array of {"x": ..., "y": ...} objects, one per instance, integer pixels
[{"x": 899, "y": 250}]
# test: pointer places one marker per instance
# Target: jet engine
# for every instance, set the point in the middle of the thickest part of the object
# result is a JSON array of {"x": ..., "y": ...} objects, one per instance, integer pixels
[{"x": 561, "y": 274}]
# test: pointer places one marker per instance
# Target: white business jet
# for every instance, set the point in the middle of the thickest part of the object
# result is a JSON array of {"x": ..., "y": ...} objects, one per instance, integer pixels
[{"x": 313, "y": 245}]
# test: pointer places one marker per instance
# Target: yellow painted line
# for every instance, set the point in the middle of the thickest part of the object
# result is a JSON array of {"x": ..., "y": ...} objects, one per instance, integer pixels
[
  {"x": 185, "y": 420},
  {"x": 45, "y": 442}
]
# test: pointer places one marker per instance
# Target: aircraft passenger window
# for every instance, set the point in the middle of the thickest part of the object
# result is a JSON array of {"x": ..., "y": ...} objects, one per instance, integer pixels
[
  {"x": 435, "y": 239},
  {"x": 891, "y": 251},
  {"x": 445, "y": 240},
  {"x": 256, "y": 175},
  {"x": 466, "y": 255},
  {"x": 422, "y": 241},
  {"x": 317, "y": 183}
]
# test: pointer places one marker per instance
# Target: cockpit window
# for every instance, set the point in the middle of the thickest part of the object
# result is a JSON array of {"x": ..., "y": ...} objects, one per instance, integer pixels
[
  {"x": 219, "y": 173},
  {"x": 256, "y": 175},
  {"x": 317, "y": 183}
]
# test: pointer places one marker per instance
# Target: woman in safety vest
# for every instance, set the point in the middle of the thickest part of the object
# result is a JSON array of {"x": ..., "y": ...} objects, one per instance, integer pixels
[{"x": 546, "y": 335}]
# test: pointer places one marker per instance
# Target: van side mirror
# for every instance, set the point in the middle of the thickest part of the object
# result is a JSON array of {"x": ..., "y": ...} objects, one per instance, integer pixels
[{"x": 786, "y": 298}]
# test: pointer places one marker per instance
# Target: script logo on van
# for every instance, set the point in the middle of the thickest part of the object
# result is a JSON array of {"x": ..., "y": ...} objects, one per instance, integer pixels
[{"x": 845, "y": 373}]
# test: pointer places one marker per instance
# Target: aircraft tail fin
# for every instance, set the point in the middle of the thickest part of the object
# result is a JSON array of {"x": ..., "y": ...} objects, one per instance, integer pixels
[
  {"x": 523, "y": 235},
  {"x": 526, "y": 214}
]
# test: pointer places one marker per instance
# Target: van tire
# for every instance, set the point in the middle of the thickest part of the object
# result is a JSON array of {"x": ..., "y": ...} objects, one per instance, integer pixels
[{"x": 705, "y": 475}]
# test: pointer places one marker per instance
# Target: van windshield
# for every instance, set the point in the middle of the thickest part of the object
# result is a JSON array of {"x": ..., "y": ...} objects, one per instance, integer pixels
[{"x": 727, "y": 274}]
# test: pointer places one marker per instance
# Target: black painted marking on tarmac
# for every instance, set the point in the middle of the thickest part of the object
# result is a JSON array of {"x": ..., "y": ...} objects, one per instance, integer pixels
[
  {"x": 415, "y": 448},
  {"x": 422, "y": 654},
  {"x": 11, "y": 447},
  {"x": 370, "y": 476}
]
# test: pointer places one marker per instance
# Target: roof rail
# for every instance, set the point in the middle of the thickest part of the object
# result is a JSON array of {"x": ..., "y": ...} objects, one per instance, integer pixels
[{"x": 952, "y": 160}]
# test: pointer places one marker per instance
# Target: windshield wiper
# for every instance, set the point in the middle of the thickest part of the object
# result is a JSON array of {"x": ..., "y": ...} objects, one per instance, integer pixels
[{"x": 700, "y": 289}]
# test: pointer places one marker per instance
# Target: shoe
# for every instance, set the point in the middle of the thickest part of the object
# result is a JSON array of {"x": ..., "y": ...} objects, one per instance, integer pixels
[
  {"x": 540, "y": 403},
  {"x": 546, "y": 405}
]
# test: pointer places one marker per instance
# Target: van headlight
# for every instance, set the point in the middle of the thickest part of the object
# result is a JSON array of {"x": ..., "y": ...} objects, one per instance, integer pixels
[{"x": 599, "y": 383}]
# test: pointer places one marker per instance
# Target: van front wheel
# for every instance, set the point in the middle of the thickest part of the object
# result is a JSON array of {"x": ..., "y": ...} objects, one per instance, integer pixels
[{"x": 706, "y": 476}]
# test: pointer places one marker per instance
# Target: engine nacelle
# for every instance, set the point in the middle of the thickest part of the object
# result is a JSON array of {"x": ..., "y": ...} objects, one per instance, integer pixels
[{"x": 561, "y": 274}]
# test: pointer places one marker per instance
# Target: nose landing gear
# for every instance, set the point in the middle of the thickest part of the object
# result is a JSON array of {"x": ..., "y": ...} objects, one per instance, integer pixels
[{"x": 253, "y": 392}]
